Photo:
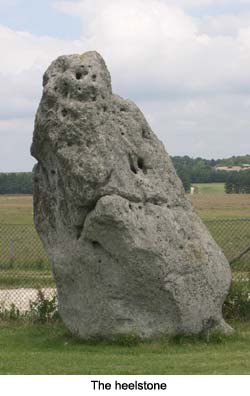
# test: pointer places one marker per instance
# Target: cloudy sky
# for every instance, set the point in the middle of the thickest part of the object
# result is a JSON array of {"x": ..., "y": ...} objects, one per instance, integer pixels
[{"x": 185, "y": 63}]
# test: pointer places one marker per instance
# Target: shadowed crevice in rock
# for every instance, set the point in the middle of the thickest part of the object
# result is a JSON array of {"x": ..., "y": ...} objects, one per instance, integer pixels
[{"x": 128, "y": 251}]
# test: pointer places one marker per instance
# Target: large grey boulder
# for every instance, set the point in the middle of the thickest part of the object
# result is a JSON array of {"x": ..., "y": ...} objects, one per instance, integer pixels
[{"x": 128, "y": 252}]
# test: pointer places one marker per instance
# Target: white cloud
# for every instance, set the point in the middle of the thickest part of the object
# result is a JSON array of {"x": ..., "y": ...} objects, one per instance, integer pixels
[
  {"x": 25, "y": 59},
  {"x": 157, "y": 50},
  {"x": 224, "y": 25},
  {"x": 24, "y": 50},
  {"x": 15, "y": 136},
  {"x": 8, "y": 3},
  {"x": 74, "y": 6},
  {"x": 204, "y": 3},
  {"x": 214, "y": 126}
]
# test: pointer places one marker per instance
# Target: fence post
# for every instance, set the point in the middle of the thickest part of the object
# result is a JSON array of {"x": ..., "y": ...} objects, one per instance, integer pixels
[{"x": 11, "y": 253}]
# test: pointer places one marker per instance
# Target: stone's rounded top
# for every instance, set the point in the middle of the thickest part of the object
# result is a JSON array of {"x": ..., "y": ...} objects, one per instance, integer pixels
[
  {"x": 81, "y": 77},
  {"x": 90, "y": 56},
  {"x": 98, "y": 137}
]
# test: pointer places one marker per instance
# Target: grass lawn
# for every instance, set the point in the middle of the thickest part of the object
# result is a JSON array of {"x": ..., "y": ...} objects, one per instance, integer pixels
[{"x": 49, "y": 349}]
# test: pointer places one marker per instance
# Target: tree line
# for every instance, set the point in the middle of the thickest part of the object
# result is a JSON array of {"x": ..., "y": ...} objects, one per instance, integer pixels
[
  {"x": 197, "y": 170},
  {"x": 238, "y": 183},
  {"x": 190, "y": 170},
  {"x": 200, "y": 170},
  {"x": 16, "y": 183}
]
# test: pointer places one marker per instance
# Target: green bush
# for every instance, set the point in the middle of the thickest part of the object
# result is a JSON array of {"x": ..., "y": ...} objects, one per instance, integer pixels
[
  {"x": 44, "y": 309},
  {"x": 237, "y": 304}
]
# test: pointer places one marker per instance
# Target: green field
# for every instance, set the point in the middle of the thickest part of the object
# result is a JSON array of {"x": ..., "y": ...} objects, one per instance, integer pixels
[
  {"x": 49, "y": 349},
  {"x": 16, "y": 209},
  {"x": 212, "y": 202}
]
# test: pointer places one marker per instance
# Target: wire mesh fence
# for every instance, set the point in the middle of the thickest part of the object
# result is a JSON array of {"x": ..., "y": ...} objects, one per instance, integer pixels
[
  {"x": 233, "y": 237},
  {"x": 24, "y": 266}
]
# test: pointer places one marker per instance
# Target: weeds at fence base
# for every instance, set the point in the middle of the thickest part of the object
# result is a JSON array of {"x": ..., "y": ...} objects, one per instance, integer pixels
[
  {"x": 41, "y": 310},
  {"x": 237, "y": 304},
  {"x": 44, "y": 309},
  {"x": 10, "y": 314}
]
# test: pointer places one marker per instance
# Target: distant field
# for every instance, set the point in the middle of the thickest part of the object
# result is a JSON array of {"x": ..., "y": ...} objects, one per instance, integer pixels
[
  {"x": 212, "y": 202},
  {"x": 210, "y": 206},
  {"x": 210, "y": 188},
  {"x": 16, "y": 209}
]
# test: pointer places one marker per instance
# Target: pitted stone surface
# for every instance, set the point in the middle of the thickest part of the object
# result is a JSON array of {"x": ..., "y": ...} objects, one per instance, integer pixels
[{"x": 128, "y": 252}]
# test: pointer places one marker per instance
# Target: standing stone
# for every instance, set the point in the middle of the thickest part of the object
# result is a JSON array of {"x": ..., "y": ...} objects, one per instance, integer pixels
[{"x": 128, "y": 252}]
